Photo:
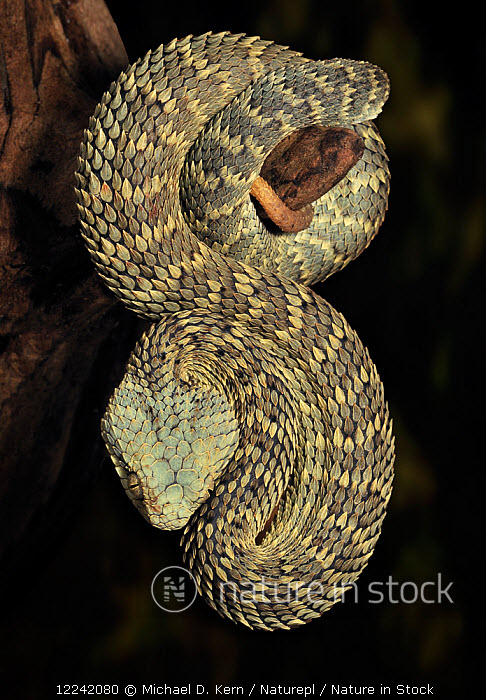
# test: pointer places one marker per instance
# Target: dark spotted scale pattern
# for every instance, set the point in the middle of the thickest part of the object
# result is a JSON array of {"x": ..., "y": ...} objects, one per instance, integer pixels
[{"x": 250, "y": 413}]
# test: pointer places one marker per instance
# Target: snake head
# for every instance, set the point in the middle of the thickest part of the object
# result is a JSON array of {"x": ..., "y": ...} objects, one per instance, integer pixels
[{"x": 169, "y": 443}]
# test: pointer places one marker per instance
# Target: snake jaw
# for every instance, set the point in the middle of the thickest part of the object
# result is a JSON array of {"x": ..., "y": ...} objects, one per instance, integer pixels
[{"x": 171, "y": 437}]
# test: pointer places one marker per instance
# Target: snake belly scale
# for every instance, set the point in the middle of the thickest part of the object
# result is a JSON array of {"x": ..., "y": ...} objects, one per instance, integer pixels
[{"x": 250, "y": 413}]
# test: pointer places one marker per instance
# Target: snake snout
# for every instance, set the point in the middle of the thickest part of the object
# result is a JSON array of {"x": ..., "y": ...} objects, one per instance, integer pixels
[{"x": 170, "y": 441}]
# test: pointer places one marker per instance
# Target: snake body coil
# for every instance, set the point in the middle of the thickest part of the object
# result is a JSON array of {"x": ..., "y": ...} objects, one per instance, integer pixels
[{"x": 250, "y": 412}]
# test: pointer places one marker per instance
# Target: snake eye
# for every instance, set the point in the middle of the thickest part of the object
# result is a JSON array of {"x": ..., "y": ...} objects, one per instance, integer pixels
[{"x": 134, "y": 485}]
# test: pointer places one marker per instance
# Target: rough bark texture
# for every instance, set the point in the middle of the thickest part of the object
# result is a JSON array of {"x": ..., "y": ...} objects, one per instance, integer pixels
[
  {"x": 56, "y": 59},
  {"x": 300, "y": 169},
  {"x": 309, "y": 162}
]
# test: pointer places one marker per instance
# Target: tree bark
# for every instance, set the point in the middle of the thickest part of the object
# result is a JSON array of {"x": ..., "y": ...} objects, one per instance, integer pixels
[{"x": 56, "y": 59}]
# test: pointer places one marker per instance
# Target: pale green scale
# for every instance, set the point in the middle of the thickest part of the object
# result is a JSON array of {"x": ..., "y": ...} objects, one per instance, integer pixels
[{"x": 177, "y": 443}]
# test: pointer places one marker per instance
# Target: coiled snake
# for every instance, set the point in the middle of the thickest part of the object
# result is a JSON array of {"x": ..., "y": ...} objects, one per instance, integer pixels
[{"x": 250, "y": 412}]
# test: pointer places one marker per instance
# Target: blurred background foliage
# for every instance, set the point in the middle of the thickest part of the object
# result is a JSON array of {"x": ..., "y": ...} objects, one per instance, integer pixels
[{"x": 415, "y": 299}]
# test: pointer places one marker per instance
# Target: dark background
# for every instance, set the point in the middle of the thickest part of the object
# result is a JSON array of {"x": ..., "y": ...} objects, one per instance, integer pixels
[{"x": 415, "y": 299}]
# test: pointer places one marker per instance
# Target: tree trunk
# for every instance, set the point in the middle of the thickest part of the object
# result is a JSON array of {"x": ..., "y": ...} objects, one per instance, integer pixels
[{"x": 56, "y": 59}]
